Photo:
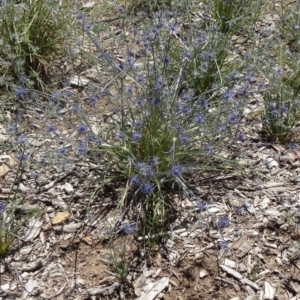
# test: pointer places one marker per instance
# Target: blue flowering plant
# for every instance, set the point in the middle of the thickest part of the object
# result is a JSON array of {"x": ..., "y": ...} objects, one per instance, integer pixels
[
  {"x": 33, "y": 33},
  {"x": 168, "y": 124},
  {"x": 162, "y": 132},
  {"x": 281, "y": 101},
  {"x": 204, "y": 61},
  {"x": 205, "y": 57},
  {"x": 289, "y": 23}
]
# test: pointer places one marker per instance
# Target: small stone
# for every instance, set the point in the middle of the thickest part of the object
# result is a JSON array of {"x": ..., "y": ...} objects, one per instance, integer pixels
[
  {"x": 203, "y": 274},
  {"x": 61, "y": 218}
]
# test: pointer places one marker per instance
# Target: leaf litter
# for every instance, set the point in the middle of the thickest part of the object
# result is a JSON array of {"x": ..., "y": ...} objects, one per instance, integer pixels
[{"x": 51, "y": 261}]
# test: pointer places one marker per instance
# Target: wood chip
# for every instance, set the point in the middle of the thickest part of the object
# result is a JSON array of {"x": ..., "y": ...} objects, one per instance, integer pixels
[
  {"x": 236, "y": 287},
  {"x": 244, "y": 248},
  {"x": 232, "y": 272},
  {"x": 2, "y": 268},
  {"x": 69, "y": 228},
  {"x": 270, "y": 245},
  {"x": 295, "y": 235},
  {"x": 26, "y": 250},
  {"x": 249, "y": 206},
  {"x": 230, "y": 263},
  {"x": 104, "y": 291},
  {"x": 31, "y": 285},
  {"x": 33, "y": 266},
  {"x": 79, "y": 81},
  {"x": 8, "y": 160},
  {"x": 270, "y": 163},
  {"x": 34, "y": 229},
  {"x": 250, "y": 283},
  {"x": 269, "y": 291},
  {"x": 4, "y": 169},
  {"x": 272, "y": 212},
  {"x": 157, "y": 288},
  {"x": 67, "y": 187},
  {"x": 4, "y": 287},
  {"x": 140, "y": 282}
]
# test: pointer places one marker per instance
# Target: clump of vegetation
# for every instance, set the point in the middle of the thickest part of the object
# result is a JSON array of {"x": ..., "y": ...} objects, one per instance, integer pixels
[
  {"x": 119, "y": 263},
  {"x": 177, "y": 90},
  {"x": 33, "y": 33},
  {"x": 164, "y": 131},
  {"x": 232, "y": 16},
  {"x": 282, "y": 103},
  {"x": 150, "y": 5},
  {"x": 289, "y": 23},
  {"x": 12, "y": 215}
]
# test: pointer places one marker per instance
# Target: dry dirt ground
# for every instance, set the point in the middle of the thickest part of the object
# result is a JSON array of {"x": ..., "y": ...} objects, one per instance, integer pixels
[{"x": 66, "y": 253}]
